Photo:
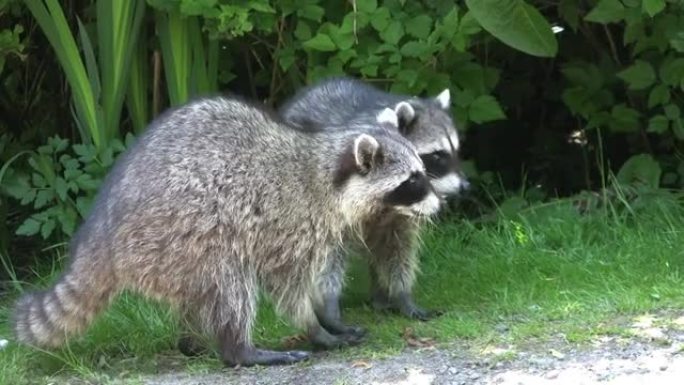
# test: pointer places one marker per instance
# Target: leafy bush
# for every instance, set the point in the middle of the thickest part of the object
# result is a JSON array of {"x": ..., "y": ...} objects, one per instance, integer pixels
[{"x": 596, "y": 100}]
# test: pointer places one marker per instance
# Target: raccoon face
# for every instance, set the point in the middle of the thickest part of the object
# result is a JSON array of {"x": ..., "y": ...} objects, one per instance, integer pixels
[
  {"x": 428, "y": 125},
  {"x": 383, "y": 171}
]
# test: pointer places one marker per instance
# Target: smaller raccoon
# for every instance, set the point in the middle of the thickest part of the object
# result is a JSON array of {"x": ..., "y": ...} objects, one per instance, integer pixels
[
  {"x": 216, "y": 200},
  {"x": 391, "y": 241}
]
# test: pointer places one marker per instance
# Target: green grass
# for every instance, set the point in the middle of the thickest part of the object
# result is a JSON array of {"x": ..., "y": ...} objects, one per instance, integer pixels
[{"x": 545, "y": 271}]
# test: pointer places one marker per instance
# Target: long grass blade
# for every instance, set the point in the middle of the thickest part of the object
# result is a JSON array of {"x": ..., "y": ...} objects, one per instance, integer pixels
[{"x": 51, "y": 19}]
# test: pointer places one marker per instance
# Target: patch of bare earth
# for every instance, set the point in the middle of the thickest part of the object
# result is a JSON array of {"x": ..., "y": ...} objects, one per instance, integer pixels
[{"x": 649, "y": 351}]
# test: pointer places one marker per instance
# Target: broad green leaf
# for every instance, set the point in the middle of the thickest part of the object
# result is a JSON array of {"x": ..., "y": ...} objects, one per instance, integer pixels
[
  {"x": 29, "y": 227},
  {"x": 624, "y": 119},
  {"x": 672, "y": 111},
  {"x": 640, "y": 169},
  {"x": 320, "y": 42},
  {"x": 47, "y": 228},
  {"x": 658, "y": 124},
  {"x": 653, "y": 7},
  {"x": 672, "y": 71},
  {"x": 677, "y": 42},
  {"x": 42, "y": 198},
  {"x": 660, "y": 94},
  {"x": 640, "y": 75},
  {"x": 606, "y": 11},
  {"x": 517, "y": 24},
  {"x": 61, "y": 188},
  {"x": 286, "y": 57},
  {"x": 311, "y": 12},
  {"x": 419, "y": 26},
  {"x": 381, "y": 19},
  {"x": 568, "y": 10},
  {"x": 485, "y": 109},
  {"x": 413, "y": 49},
  {"x": 366, "y": 6},
  {"x": 393, "y": 33},
  {"x": 196, "y": 7}
]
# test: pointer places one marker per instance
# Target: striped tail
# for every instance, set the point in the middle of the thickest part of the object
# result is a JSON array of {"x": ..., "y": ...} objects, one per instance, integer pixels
[{"x": 47, "y": 318}]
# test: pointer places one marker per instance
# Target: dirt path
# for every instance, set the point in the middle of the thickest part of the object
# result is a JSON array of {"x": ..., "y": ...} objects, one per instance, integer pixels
[{"x": 652, "y": 355}]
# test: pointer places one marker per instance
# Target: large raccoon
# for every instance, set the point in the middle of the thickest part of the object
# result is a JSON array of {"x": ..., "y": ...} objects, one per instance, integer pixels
[
  {"x": 216, "y": 200},
  {"x": 391, "y": 239}
]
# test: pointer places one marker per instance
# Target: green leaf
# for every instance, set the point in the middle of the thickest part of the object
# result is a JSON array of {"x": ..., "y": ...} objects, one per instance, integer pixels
[
  {"x": 672, "y": 112},
  {"x": 419, "y": 26},
  {"x": 672, "y": 71},
  {"x": 393, "y": 33},
  {"x": 28, "y": 197},
  {"x": 658, "y": 124},
  {"x": 47, "y": 228},
  {"x": 261, "y": 6},
  {"x": 660, "y": 94},
  {"x": 286, "y": 57},
  {"x": 196, "y": 7},
  {"x": 42, "y": 198},
  {"x": 624, "y": 119},
  {"x": 485, "y": 109},
  {"x": 569, "y": 11},
  {"x": 61, "y": 188},
  {"x": 640, "y": 75},
  {"x": 366, "y": 6},
  {"x": 653, "y": 7},
  {"x": 677, "y": 42},
  {"x": 606, "y": 11},
  {"x": 413, "y": 49},
  {"x": 311, "y": 12},
  {"x": 640, "y": 169},
  {"x": 29, "y": 227},
  {"x": 381, "y": 19},
  {"x": 320, "y": 42},
  {"x": 517, "y": 24}
]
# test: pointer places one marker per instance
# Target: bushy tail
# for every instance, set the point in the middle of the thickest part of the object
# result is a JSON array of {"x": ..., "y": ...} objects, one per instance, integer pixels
[{"x": 47, "y": 318}]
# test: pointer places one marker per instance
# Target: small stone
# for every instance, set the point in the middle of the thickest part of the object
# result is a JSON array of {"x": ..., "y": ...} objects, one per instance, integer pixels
[
  {"x": 475, "y": 376},
  {"x": 552, "y": 375},
  {"x": 663, "y": 367},
  {"x": 453, "y": 371},
  {"x": 3, "y": 344}
]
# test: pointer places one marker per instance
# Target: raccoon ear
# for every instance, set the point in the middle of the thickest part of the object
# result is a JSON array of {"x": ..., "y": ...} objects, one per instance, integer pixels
[
  {"x": 405, "y": 115},
  {"x": 366, "y": 150},
  {"x": 388, "y": 116},
  {"x": 444, "y": 99}
]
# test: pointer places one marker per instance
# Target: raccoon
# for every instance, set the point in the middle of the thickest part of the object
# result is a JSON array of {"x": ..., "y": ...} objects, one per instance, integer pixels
[
  {"x": 391, "y": 240},
  {"x": 217, "y": 200}
]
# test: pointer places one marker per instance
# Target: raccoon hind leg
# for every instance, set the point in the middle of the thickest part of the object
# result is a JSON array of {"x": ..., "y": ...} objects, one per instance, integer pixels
[{"x": 231, "y": 313}]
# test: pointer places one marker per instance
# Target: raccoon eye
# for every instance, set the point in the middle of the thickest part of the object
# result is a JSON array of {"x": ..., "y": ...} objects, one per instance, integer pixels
[
  {"x": 437, "y": 163},
  {"x": 410, "y": 191}
]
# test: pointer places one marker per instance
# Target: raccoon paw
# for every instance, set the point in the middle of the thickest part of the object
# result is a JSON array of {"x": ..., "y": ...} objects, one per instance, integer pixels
[
  {"x": 421, "y": 314},
  {"x": 341, "y": 329},
  {"x": 321, "y": 339},
  {"x": 267, "y": 358}
]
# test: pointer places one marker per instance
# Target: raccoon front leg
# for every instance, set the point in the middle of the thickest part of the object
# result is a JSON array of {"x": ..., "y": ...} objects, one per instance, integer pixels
[
  {"x": 393, "y": 261},
  {"x": 298, "y": 303},
  {"x": 327, "y": 304}
]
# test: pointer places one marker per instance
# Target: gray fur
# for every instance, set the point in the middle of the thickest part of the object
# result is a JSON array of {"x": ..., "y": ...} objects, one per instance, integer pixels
[
  {"x": 216, "y": 200},
  {"x": 391, "y": 242}
]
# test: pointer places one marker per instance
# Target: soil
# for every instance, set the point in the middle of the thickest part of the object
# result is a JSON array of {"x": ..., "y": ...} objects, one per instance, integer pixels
[{"x": 651, "y": 351}]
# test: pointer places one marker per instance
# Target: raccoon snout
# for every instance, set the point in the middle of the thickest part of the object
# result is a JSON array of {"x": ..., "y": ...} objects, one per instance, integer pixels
[{"x": 430, "y": 205}]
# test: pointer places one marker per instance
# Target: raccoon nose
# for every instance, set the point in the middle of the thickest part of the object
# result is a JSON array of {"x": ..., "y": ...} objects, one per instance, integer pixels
[{"x": 465, "y": 185}]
